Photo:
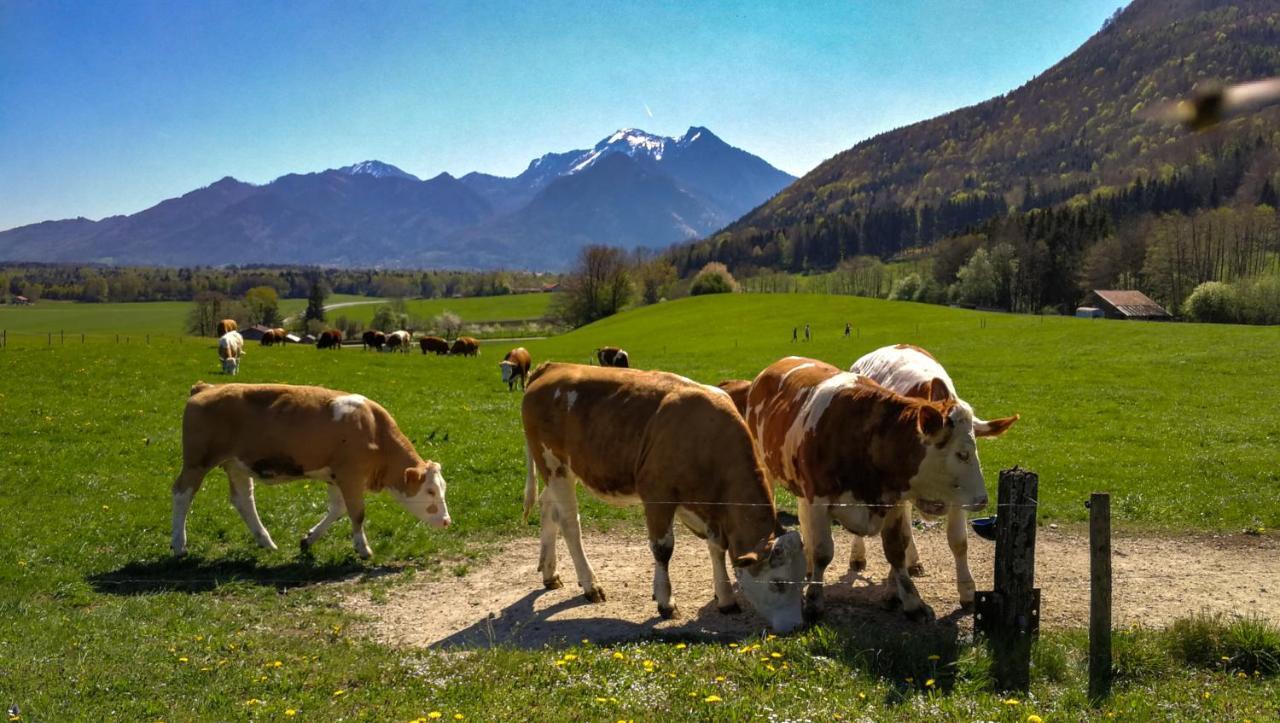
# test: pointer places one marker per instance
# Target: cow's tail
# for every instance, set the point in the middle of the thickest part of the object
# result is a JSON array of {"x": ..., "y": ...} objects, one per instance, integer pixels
[
  {"x": 198, "y": 387},
  {"x": 530, "y": 483}
]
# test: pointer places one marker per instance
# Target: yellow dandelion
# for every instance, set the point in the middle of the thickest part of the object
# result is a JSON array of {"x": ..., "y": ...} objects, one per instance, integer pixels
[
  {"x": 570, "y": 657},
  {"x": 458, "y": 716},
  {"x": 339, "y": 693},
  {"x": 681, "y": 646},
  {"x": 277, "y": 664},
  {"x": 601, "y": 700},
  {"x": 559, "y": 663},
  {"x": 1011, "y": 701},
  {"x": 771, "y": 636},
  {"x": 712, "y": 699},
  {"x": 22, "y": 563},
  {"x": 1225, "y": 658},
  {"x": 928, "y": 683},
  {"x": 935, "y": 658},
  {"x": 205, "y": 669},
  {"x": 692, "y": 694},
  {"x": 1207, "y": 695},
  {"x": 770, "y": 668},
  {"x": 1242, "y": 674},
  {"x": 719, "y": 678},
  {"x": 671, "y": 675},
  {"x": 775, "y": 655},
  {"x": 619, "y": 656},
  {"x": 862, "y": 696},
  {"x": 183, "y": 659},
  {"x": 434, "y": 714},
  {"x": 1033, "y": 718},
  {"x": 105, "y": 507},
  {"x": 291, "y": 712},
  {"x": 252, "y": 701},
  {"x": 911, "y": 680},
  {"x": 199, "y": 638}
]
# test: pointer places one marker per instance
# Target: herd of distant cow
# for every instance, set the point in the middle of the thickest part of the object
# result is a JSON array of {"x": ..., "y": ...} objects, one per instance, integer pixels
[{"x": 861, "y": 447}]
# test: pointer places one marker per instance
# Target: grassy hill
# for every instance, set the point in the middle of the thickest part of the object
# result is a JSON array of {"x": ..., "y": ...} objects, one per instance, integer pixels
[{"x": 95, "y": 618}]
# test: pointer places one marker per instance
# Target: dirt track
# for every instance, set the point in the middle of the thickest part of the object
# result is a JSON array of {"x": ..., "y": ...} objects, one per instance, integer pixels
[{"x": 1157, "y": 579}]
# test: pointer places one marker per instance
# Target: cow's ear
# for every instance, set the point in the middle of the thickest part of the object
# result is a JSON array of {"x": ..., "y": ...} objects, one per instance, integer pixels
[
  {"x": 993, "y": 427},
  {"x": 746, "y": 560},
  {"x": 412, "y": 476},
  {"x": 930, "y": 421},
  {"x": 938, "y": 390}
]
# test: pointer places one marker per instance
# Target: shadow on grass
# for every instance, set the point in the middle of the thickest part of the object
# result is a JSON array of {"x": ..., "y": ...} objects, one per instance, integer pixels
[{"x": 196, "y": 575}]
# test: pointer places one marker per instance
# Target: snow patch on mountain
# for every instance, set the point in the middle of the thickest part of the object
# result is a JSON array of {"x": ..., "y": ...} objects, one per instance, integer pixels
[{"x": 377, "y": 169}]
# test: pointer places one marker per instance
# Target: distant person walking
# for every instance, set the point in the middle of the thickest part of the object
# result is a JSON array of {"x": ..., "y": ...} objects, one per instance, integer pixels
[
  {"x": 847, "y": 328},
  {"x": 806, "y": 332},
  {"x": 795, "y": 333}
]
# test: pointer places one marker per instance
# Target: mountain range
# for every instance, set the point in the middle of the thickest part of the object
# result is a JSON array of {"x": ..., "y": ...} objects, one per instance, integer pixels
[{"x": 630, "y": 189}]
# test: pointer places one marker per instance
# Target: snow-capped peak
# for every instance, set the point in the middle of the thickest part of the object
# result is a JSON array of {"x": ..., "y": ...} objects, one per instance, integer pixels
[{"x": 377, "y": 169}]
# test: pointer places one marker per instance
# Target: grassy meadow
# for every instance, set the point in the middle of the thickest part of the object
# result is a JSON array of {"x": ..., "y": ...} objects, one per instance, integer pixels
[{"x": 96, "y": 621}]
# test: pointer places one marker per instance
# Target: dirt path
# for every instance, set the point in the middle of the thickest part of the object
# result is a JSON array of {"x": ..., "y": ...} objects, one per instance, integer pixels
[{"x": 1157, "y": 579}]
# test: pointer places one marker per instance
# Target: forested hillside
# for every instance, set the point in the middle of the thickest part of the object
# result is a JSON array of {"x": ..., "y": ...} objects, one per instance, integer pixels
[{"x": 1071, "y": 181}]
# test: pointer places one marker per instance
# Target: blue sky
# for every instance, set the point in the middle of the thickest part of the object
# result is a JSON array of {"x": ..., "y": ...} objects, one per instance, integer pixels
[{"x": 110, "y": 107}]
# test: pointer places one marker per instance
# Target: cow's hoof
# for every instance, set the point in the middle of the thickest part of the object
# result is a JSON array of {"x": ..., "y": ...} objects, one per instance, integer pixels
[
  {"x": 179, "y": 554},
  {"x": 667, "y": 611},
  {"x": 595, "y": 594},
  {"x": 922, "y": 614},
  {"x": 304, "y": 546},
  {"x": 857, "y": 565},
  {"x": 916, "y": 570},
  {"x": 364, "y": 554},
  {"x": 732, "y": 608},
  {"x": 553, "y": 584}
]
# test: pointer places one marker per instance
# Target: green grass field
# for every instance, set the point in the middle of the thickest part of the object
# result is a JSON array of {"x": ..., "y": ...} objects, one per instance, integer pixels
[
  {"x": 516, "y": 307},
  {"x": 96, "y": 621}
]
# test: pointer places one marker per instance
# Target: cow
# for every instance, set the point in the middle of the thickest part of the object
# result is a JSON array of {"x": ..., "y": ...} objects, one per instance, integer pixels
[
  {"x": 465, "y": 346},
  {"x": 737, "y": 390},
  {"x": 373, "y": 339},
  {"x": 272, "y": 337},
  {"x": 330, "y": 339},
  {"x": 849, "y": 448},
  {"x": 612, "y": 356},
  {"x": 676, "y": 447},
  {"x": 912, "y": 371},
  {"x": 278, "y": 433},
  {"x": 433, "y": 345},
  {"x": 230, "y": 349},
  {"x": 515, "y": 367},
  {"x": 226, "y": 325},
  {"x": 399, "y": 341}
]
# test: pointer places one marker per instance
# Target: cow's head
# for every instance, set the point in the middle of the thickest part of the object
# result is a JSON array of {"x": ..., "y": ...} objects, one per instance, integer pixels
[
  {"x": 620, "y": 360},
  {"x": 230, "y": 365},
  {"x": 422, "y": 494},
  {"x": 770, "y": 577},
  {"x": 508, "y": 370},
  {"x": 950, "y": 474}
]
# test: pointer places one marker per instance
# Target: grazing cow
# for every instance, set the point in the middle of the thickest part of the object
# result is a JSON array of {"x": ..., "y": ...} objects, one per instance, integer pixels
[
  {"x": 278, "y": 433},
  {"x": 848, "y": 448},
  {"x": 331, "y": 339},
  {"x": 515, "y": 367},
  {"x": 737, "y": 389},
  {"x": 433, "y": 345},
  {"x": 230, "y": 349},
  {"x": 912, "y": 371},
  {"x": 271, "y": 337},
  {"x": 612, "y": 356},
  {"x": 678, "y": 448},
  {"x": 373, "y": 340},
  {"x": 399, "y": 341},
  {"x": 465, "y": 345},
  {"x": 226, "y": 325}
]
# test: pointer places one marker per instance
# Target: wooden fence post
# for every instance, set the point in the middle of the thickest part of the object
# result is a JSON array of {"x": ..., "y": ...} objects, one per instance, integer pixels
[
  {"x": 1099, "y": 596},
  {"x": 1009, "y": 615}
]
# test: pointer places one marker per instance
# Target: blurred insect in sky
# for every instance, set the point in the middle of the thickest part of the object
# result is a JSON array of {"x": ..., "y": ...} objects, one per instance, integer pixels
[{"x": 1212, "y": 103}]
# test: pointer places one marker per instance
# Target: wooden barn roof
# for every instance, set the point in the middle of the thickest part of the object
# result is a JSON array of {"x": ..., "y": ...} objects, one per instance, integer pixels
[{"x": 1131, "y": 303}]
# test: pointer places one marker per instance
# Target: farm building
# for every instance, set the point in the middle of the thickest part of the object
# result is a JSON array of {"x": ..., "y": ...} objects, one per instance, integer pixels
[
  {"x": 1089, "y": 312},
  {"x": 21, "y": 301},
  {"x": 1116, "y": 304},
  {"x": 255, "y": 332}
]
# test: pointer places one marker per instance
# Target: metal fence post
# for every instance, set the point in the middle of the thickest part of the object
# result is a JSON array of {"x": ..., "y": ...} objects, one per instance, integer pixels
[{"x": 1099, "y": 596}]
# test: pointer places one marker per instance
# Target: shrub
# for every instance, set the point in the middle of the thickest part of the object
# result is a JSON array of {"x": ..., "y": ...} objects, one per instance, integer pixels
[
  {"x": 1213, "y": 301},
  {"x": 907, "y": 288},
  {"x": 714, "y": 278}
]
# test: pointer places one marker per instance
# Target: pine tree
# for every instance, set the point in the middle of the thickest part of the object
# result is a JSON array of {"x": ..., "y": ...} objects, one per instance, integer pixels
[{"x": 315, "y": 301}]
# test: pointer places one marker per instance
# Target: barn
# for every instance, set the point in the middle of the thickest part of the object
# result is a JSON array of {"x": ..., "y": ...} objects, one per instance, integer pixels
[
  {"x": 1126, "y": 304},
  {"x": 255, "y": 332}
]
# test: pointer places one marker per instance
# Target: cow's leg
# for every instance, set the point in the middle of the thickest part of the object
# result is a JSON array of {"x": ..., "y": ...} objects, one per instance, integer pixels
[
  {"x": 902, "y": 511},
  {"x": 242, "y": 500},
  {"x": 566, "y": 500},
  {"x": 858, "y": 554},
  {"x": 662, "y": 543},
  {"x": 353, "y": 497},
  {"x": 894, "y": 535},
  {"x": 337, "y": 508},
  {"x": 184, "y": 490},
  {"x": 819, "y": 548},
  {"x": 550, "y": 531},
  {"x": 958, "y": 539},
  {"x": 914, "y": 567},
  {"x": 725, "y": 601}
]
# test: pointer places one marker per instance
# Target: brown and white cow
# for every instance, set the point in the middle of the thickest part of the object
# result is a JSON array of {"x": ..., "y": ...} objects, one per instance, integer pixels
[
  {"x": 272, "y": 337},
  {"x": 277, "y": 433},
  {"x": 330, "y": 339},
  {"x": 515, "y": 367},
  {"x": 914, "y": 372},
  {"x": 400, "y": 341},
  {"x": 465, "y": 346},
  {"x": 230, "y": 349},
  {"x": 612, "y": 356},
  {"x": 678, "y": 448},
  {"x": 850, "y": 449},
  {"x": 226, "y": 325},
  {"x": 433, "y": 345},
  {"x": 373, "y": 339},
  {"x": 737, "y": 389}
]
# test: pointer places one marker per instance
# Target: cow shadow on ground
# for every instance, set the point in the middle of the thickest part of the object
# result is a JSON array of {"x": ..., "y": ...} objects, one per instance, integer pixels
[{"x": 197, "y": 575}]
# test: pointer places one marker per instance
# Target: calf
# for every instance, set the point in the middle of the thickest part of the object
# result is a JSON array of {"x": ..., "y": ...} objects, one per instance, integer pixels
[
  {"x": 230, "y": 349},
  {"x": 226, "y": 325},
  {"x": 612, "y": 356},
  {"x": 914, "y": 372},
  {"x": 278, "y": 433},
  {"x": 465, "y": 346},
  {"x": 515, "y": 367},
  {"x": 848, "y": 448},
  {"x": 433, "y": 345},
  {"x": 679, "y": 449}
]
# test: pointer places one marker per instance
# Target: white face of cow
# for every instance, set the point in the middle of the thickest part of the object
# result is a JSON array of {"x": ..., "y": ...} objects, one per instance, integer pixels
[
  {"x": 950, "y": 474},
  {"x": 230, "y": 366},
  {"x": 508, "y": 371},
  {"x": 423, "y": 494},
  {"x": 772, "y": 585}
]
